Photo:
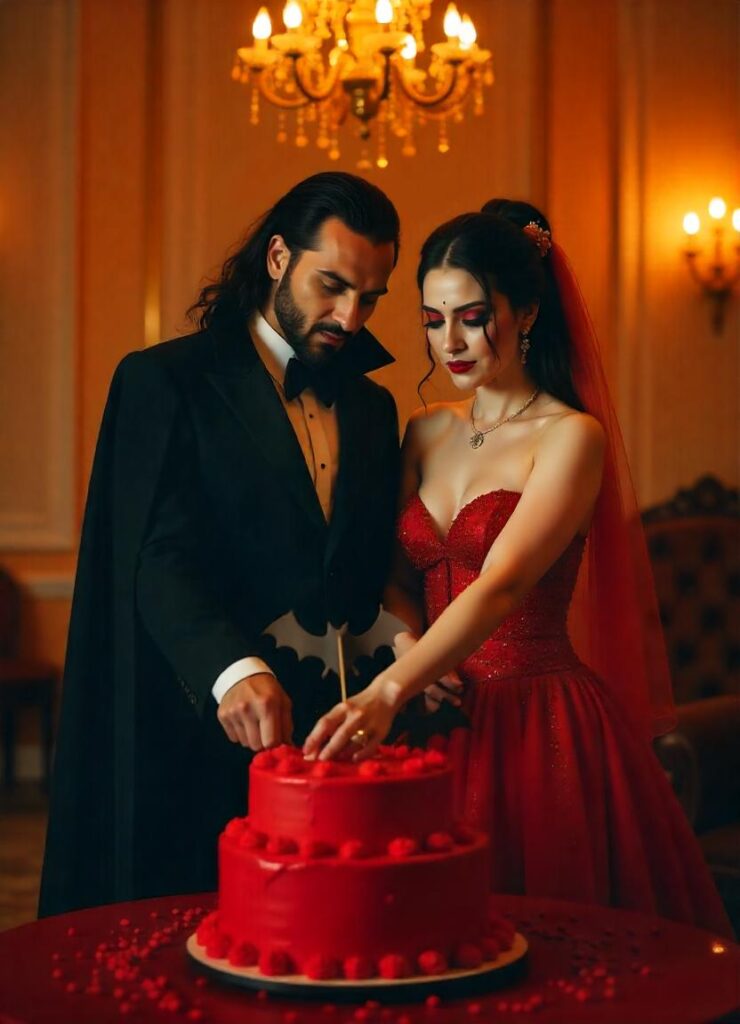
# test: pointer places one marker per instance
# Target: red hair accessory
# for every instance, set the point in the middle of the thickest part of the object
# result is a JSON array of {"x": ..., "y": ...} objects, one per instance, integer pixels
[{"x": 540, "y": 236}]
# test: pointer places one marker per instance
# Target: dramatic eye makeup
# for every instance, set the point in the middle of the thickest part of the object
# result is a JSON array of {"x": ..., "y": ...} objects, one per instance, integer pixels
[{"x": 473, "y": 314}]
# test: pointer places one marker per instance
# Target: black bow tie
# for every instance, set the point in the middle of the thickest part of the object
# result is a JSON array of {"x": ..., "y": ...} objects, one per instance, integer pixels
[{"x": 299, "y": 376}]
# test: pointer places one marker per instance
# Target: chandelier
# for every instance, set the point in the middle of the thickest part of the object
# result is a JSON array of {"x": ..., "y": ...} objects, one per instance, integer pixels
[{"x": 338, "y": 58}]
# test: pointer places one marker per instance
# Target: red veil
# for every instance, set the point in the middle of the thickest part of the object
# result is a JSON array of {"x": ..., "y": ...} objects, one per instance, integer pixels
[{"x": 614, "y": 618}]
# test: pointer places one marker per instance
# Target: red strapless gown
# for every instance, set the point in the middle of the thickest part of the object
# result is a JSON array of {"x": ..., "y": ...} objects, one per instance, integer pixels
[{"x": 576, "y": 804}]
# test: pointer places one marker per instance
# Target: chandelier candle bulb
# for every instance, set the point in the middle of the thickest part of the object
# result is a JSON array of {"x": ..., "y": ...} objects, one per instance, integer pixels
[
  {"x": 262, "y": 28},
  {"x": 717, "y": 208},
  {"x": 383, "y": 12},
  {"x": 292, "y": 15},
  {"x": 452, "y": 22},
  {"x": 736, "y": 219},
  {"x": 467, "y": 33},
  {"x": 691, "y": 224}
]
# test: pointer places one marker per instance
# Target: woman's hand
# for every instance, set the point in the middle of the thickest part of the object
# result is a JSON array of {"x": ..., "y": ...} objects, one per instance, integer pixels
[{"x": 357, "y": 726}]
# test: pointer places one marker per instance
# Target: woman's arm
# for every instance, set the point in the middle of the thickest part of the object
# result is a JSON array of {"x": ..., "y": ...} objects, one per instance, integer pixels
[
  {"x": 402, "y": 595},
  {"x": 556, "y": 505}
]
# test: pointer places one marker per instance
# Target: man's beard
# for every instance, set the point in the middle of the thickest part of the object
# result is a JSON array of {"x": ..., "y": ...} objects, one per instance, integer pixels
[{"x": 292, "y": 321}]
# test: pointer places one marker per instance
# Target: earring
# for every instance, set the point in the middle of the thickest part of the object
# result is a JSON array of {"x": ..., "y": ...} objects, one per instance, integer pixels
[{"x": 524, "y": 344}]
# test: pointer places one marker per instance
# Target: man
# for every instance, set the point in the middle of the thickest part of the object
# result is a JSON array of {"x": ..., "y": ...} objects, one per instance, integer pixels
[{"x": 242, "y": 473}]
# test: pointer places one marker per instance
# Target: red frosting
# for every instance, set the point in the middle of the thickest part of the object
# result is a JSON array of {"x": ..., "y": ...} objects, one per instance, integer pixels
[{"x": 352, "y": 870}]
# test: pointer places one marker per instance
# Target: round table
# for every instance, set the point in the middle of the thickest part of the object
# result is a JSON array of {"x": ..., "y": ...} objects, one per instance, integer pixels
[{"x": 587, "y": 964}]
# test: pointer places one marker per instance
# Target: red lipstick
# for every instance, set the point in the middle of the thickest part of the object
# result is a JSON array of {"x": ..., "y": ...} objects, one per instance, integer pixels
[{"x": 460, "y": 366}]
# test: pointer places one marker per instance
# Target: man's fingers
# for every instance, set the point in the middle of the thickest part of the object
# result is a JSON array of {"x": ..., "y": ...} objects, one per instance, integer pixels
[
  {"x": 441, "y": 693},
  {"x": 229, "y": 729},
  {"x": 431, "y": 703},
  {"x": 451, "y": 683},
  {"x": 270, "y": 728},
  {"x": 286, "y": 720},
  {"x": 251, "y": 732}
]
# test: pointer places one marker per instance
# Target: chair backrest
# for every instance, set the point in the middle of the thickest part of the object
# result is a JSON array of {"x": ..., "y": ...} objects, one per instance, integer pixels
[
  {"x": 694, "y": 545},
  {"x": 10, "y": 614}
]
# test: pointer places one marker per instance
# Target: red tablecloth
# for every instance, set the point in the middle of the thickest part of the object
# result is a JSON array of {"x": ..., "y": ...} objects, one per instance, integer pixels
[{"x": 586, "y": 964}]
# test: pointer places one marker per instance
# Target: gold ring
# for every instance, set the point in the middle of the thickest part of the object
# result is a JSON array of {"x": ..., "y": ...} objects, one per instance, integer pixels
[{"x": 360, "y": 738}]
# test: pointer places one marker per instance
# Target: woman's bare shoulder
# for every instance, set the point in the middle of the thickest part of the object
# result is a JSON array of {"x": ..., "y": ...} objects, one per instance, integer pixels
[
  {"x": 427, "y": 423},
  {"x": 574, "y": 429}
]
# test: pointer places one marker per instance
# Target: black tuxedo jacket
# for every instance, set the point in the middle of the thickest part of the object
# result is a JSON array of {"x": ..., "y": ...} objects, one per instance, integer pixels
[{"x": 202, "y": 526}]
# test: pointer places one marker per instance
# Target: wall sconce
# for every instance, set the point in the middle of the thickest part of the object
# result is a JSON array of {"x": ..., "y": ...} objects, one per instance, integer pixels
[{"x": 718, "y": 278}]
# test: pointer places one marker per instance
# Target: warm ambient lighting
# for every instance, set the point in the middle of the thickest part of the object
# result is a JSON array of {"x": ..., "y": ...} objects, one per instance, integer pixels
[
  {"x": 354, "y": 62},
  {"x": 718, "y": 277}
]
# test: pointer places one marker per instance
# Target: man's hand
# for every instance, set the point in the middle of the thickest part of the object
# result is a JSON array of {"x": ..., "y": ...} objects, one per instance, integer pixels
[{"x": 256, "y": 712}]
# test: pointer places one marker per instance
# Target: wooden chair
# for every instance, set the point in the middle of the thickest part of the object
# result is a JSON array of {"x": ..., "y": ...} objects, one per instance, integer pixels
[
  {"x": 694, "y": 545},
  {"x": 23, "y": 682}
]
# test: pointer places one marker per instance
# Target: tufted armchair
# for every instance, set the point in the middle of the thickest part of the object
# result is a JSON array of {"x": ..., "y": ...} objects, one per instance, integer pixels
[{"x": 694, "y": 545}]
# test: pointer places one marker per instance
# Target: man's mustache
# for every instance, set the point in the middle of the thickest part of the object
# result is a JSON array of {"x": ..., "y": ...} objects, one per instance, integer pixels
[{"x": 332, "y": 329}]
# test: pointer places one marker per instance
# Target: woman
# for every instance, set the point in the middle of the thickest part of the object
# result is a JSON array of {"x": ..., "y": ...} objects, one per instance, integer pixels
[{"x": 503, "y": 493}]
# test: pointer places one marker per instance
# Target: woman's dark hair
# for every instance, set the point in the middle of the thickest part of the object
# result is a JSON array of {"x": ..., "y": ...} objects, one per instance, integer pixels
[
  {"x": 244, "y": 283},
  {"x": 494, "y": 249}
]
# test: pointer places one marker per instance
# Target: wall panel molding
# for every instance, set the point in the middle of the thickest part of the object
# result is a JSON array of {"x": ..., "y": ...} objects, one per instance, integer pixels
[{"x": 38, "y": 273}]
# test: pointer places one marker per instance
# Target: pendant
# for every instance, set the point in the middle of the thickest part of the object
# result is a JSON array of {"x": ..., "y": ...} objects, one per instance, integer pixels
[{"x": 476, "y": 439}]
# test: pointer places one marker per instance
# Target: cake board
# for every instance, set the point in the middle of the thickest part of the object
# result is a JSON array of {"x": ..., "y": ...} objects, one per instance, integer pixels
[{"x": 507, "y": 968}]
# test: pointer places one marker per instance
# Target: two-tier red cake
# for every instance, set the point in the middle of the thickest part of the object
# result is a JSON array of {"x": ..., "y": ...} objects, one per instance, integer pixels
[{"x": 352, "y": 871}]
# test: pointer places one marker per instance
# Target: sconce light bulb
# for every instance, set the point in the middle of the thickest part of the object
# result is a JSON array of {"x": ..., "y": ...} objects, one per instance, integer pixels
[
  {"x": 292, "y": 15},
  {"x": 452, "y": 22},
  {"x": 384, "y": 12},
  {"x": 736, "y": 220},
  {"x": 717, "y": 208},
  {"x": 409, "y": 48},
  {"x": 468, "y": 35},
  {"x": 691, "y": 223},
  {"x": 262, "y": 26}
]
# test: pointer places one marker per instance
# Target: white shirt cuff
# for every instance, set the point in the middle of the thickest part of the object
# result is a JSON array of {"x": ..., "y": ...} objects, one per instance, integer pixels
[{"x": 235, "y": 673}]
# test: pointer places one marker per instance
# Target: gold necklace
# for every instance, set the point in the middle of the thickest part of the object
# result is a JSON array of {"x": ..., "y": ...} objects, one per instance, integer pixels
[{"x": 478, "y": 436}]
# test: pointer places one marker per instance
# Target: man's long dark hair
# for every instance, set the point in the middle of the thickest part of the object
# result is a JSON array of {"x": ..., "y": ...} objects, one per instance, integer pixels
[{"x": 244, "y": 283}]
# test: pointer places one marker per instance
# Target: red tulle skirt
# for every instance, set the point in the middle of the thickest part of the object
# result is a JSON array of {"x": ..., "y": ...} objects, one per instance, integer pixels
[{"x": 576, "y": 805}]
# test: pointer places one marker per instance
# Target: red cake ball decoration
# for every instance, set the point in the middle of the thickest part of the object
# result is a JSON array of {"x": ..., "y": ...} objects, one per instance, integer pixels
[
  {"x": 311, "y": 849},
  {"x": 468, "y": 955},
  {"x": 251, "y": 840},
  {"x": 432, "y": 961},
  {"x": 265, "y": 759},
  {"x": 322, "y": 968},
  {"x": 435, "y": 759},
  {"x": 290, "y": 764},
  {"x": 281, "y": 845},
  {"x": 403, "y": 846},
  {"x": 357, "y": 968},
  {"x": 439, "y": 842},
  {"x": 235, "y": 827},
  {"x": 491, "y": 947},
  {"x": 370, "y": 769},
  {"x": 353, "y": 849},
  {"x": 243, "y": 955},
  {"x": 413, "y": 766},
  {"x": 275, "y": 961},
  {"x": 393, "y": 965},
  {"x": 324, "y": 769}
]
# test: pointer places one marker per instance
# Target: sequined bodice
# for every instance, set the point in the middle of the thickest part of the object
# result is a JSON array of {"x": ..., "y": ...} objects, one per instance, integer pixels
[{"x": 534, "y": 638}]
